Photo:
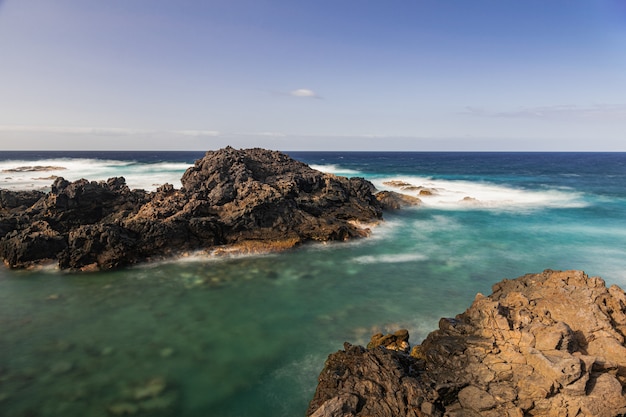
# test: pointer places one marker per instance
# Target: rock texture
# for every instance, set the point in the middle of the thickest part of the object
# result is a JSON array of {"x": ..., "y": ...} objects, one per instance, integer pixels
[
  {"x": 549, "y": 344},
  {"x": 254, "y": 198}
]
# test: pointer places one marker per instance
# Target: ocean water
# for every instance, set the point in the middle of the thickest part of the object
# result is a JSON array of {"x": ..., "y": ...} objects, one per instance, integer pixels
[{"x": 248, "y": 336}]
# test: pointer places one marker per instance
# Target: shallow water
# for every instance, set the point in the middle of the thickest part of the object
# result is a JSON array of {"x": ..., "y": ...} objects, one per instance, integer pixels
[{"x": 248, "y": 336}]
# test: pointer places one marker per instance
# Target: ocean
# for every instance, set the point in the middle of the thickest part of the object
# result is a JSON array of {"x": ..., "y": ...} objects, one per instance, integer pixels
[{"x": 248, "y": 335}]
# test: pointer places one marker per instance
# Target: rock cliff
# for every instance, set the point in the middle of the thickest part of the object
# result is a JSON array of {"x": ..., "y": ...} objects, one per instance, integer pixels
[
  {"x": 549, "y": 344},
  {"x": 253, "y": 198}
]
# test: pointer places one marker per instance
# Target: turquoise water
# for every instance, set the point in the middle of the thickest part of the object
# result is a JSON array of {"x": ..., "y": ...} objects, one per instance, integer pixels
[{"x": 248, "y": 336}]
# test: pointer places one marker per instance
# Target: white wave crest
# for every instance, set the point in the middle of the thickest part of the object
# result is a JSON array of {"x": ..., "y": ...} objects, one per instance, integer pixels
[
  {"x": 468, "y": 195},
  {"x": 335, "y": 169}
]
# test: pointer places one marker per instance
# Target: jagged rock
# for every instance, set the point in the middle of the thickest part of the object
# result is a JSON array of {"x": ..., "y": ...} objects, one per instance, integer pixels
[
  {"x": 540, "y": 345},
  {"x": 11, "y": 200},
  {"x": 35, "y": 242},
  {"x": 383, "y": 382},
  {"x": 397, "y": 341},
  {"x": 229, "y": 197}
]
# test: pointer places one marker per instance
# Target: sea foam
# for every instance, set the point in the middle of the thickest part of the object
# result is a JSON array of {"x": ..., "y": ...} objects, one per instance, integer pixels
[
  {"x": 335, "y": 169},
  {"x": 147, "y": 176},
  {"x": 468, "y": 195}
]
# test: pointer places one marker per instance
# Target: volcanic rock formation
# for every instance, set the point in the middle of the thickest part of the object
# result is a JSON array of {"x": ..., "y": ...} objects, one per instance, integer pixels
[
  {"x": 252, "y": 198},
  {"x": 549, "y": 344}
]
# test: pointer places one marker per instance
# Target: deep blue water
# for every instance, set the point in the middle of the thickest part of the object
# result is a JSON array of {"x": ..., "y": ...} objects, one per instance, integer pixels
[{"x": 248, "y": 336}]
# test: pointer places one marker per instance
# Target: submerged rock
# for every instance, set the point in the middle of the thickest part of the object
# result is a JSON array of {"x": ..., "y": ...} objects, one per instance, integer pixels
[
  {"x": 391, "y": 200},
  {"x": 36, "y": 168},
  {"x": 253, "y": 199},
  {"x": 540, "y": 345}
]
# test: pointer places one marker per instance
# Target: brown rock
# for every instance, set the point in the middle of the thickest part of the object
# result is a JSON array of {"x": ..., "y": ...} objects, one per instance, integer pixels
[
  {"x": 546, "y": 344},
  {"x": 391, "y": 200},
  {"x": 476, "y": 399},
  {"x": 398, "y": 341},
  {"x": 397, "y": 183}
]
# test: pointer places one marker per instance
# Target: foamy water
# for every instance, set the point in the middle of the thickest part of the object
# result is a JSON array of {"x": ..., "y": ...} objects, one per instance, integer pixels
[
  {"x": 335, "y": 169},
  {"x": 466, "y": 195},
  {"x": 146, "y": 176},
  {"x": 469, "y": 195}
]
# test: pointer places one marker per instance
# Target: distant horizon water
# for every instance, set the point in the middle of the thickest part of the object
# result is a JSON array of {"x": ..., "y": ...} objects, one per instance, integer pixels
[{"x": 248, "y": 336}]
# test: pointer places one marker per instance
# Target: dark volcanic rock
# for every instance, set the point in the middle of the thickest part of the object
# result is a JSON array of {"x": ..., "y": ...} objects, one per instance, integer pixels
[
  {"x": 541, "y": 345},
  {"x": 229, "y": 197},
  {"x": 367, "y": 382}
]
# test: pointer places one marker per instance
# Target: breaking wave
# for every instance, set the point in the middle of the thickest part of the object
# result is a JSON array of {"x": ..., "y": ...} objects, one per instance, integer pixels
[
  {"x": 39, "y": 175},
  {"x": 335, "y": 169},
  {"x": 467, "y": 195}
]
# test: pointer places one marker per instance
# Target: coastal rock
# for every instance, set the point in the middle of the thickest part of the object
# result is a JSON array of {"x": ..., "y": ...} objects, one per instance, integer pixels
[
  {"x": 12, "y": 203},
  {"x": 397, "y": 341},
  {"x": 36, "y": 168},
  {"x": 18, "y": 200},
  {"x": 405, "y": 186},
  {"x": 391, "y": 200},
  {"x": 253, "y": 198},
  {"x": 540, "y": 345}
]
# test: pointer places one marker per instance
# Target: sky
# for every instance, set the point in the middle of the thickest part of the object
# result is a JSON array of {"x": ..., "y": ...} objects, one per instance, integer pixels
[{"x": 414, "y": 75}]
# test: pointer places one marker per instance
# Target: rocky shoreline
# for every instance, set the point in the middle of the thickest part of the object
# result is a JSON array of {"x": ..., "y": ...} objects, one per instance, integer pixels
[
  {"x": 549, "y": 344},
  {"x": 251, "y": 200}
]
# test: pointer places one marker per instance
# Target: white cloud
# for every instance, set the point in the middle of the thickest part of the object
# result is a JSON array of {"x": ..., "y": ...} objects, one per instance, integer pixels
[
  {"x": 103, "y": 131},
  {"x": 598, "y": 112},
  {"x": 268, "y": 134},
  {"x": 71, "y": 130},
  {"x": 304, "y": 92},
  {"x": 196, "y": 133}
]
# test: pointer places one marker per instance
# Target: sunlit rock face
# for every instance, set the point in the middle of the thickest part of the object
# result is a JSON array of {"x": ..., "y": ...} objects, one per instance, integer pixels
[{"x": 540, "y": 345}]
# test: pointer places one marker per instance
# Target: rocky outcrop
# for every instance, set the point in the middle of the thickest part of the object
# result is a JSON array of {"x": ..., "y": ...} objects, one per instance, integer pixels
[
  {"x": 549, "y": 344},
  {"x": 254, "y": 198}
]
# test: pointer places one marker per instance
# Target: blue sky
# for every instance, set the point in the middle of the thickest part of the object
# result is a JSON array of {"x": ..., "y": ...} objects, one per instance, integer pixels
[{"x": 313, "y": 75}]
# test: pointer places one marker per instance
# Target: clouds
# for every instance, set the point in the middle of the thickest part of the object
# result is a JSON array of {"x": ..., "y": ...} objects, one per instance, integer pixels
[
  {"x": 597, "y": 112},
  {"x": 195, "y": 133},
  {"x": 304, "y": 93},
  {"x": 106, "y": 131}
]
